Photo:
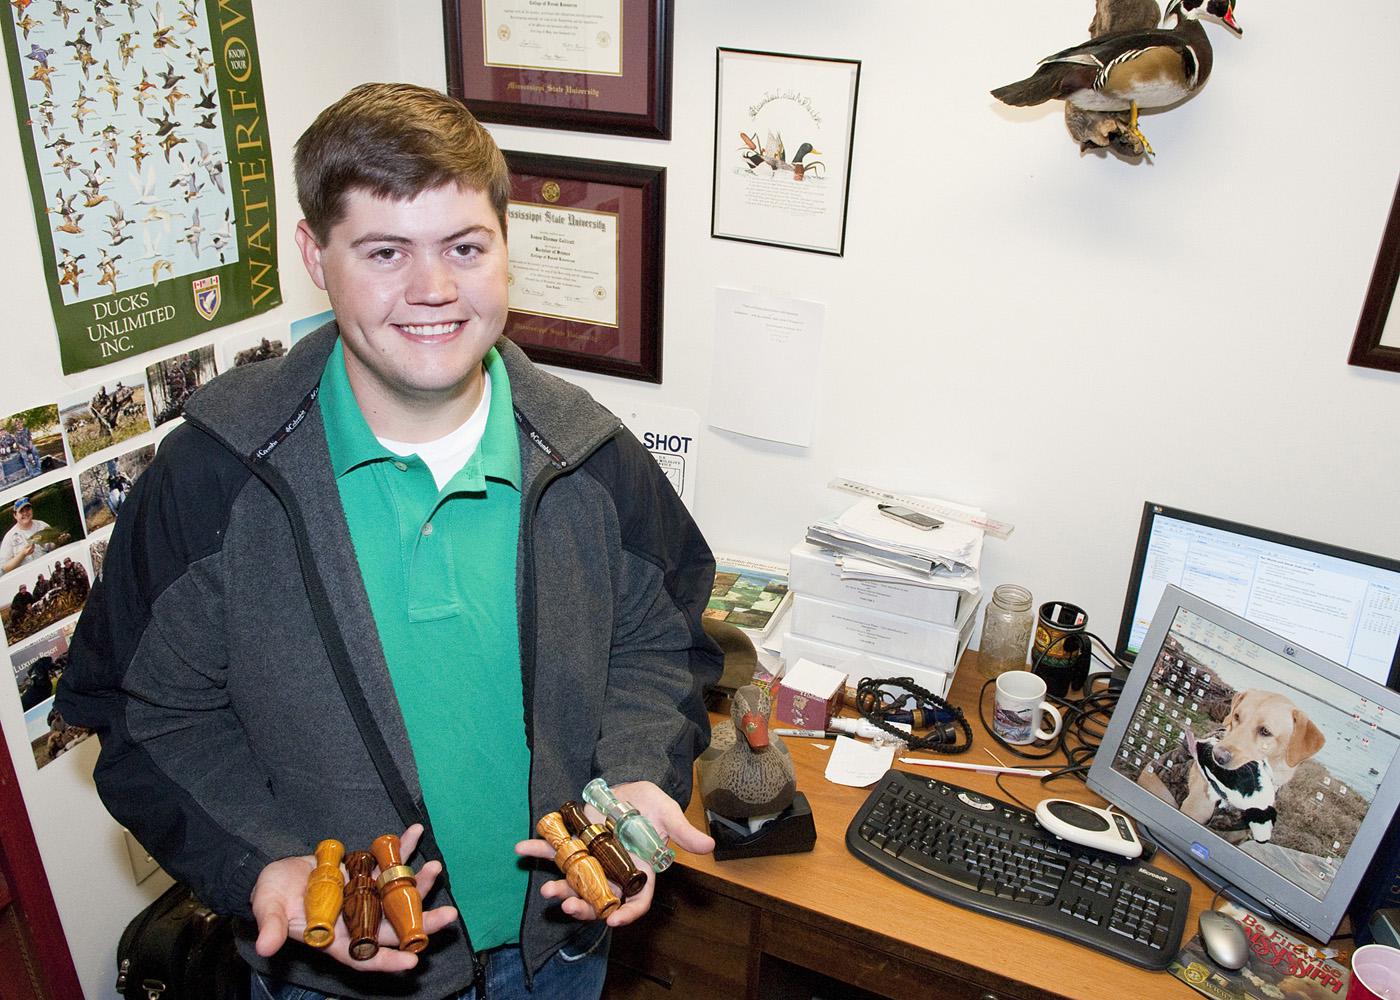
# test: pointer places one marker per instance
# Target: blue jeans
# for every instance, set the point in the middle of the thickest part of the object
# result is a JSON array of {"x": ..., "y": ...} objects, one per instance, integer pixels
[{"x": 568, "y": 975}]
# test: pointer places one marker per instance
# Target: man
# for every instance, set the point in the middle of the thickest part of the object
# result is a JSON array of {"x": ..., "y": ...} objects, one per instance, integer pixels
[
  {"x": 24, "y": 441},
  {"x": 398, "y": 579},
  {"x": 20, "y": 605},
  {"x": 18, "y": 546},
  {"x": 117, "y": 485}
]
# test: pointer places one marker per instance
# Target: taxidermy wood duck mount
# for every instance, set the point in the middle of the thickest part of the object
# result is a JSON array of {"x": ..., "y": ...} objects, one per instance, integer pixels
[
  {"x": 746, "y": 772},
  {"x": 1127, "y": 69},
  {"x": 1109, "y": 129}
]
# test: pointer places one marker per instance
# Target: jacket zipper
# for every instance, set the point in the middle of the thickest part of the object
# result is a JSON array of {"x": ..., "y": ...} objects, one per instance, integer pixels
[
  {"x": 527, "y": 659},
  {"x": 478, "y": 976}
]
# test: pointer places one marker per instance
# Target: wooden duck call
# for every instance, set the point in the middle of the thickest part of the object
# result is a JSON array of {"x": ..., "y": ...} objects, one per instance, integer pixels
[
  {"x": 603, "y": 844},
  {"x": 574, "y": 818},
  {"x": 581, "y": 869},
  {"x": 617, "y": 864},
  {"x": 362, "y": 910},
  {"x": 398, "y": 892},
  {"x": 325, "y": 894}
]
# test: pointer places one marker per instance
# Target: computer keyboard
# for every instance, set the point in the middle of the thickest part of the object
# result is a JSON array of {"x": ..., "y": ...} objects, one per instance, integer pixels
[{"x": 964, "y": 847}]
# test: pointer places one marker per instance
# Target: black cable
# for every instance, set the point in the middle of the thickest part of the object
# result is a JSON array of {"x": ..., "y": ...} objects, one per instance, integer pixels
[
  {"x": 919, "y": 707},
  {"x": 1085, "y": 722}
]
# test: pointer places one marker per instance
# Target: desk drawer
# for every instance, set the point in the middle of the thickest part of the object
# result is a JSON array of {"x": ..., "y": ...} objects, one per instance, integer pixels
[
  {"x": 692, "y": 943},
  {"x": 863, "y": 966}
]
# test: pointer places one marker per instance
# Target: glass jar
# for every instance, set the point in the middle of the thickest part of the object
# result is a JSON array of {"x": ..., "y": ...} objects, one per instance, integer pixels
[{"x": 1006, "y": 631}]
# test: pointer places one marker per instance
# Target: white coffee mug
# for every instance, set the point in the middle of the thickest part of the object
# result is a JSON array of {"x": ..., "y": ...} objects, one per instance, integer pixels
[{"x": 1020, "y": 700}]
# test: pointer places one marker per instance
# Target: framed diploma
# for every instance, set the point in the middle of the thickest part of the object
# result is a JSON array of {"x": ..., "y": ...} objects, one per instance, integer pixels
[
  {"x": 1377, "y": 343},
  {"x": 583, "y": 65},
  {"x": 587, "y": 241},
  {"x": 784, "y": 132}
]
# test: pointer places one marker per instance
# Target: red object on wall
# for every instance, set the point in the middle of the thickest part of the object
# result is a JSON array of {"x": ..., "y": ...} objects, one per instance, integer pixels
[{"x": 31, "y": 936}]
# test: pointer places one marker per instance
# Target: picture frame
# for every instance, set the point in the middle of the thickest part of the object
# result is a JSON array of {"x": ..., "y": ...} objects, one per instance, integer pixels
[
  {"x": 604, "y": 68},
  {"x": 772, "y": 111},
  {"x": 587, "y": 263},
  {"x": 1377, "y": 342}
]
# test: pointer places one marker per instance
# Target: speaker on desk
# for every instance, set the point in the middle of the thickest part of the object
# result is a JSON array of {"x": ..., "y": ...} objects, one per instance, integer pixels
[{"x": 1380, "y": 889}]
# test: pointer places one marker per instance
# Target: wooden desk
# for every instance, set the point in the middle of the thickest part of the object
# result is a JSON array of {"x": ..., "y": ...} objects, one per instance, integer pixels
[{"x": 786, "y": 926}]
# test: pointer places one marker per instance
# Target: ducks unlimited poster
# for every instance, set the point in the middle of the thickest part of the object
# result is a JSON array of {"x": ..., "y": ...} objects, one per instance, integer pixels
[{"x": 146, "y": 149}]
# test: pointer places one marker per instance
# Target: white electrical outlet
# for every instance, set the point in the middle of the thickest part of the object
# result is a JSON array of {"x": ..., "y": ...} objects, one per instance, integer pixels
[{"x": 143, "y": 866}]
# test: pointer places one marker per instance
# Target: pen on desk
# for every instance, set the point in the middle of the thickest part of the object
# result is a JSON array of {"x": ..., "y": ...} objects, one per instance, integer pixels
[
  {"x": 1024, "y": 772},
  {"x": 815, "y": 734}
]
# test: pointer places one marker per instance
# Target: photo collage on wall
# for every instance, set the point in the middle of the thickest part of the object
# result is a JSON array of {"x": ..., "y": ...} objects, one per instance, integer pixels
[{"x": 66, "y": 469}]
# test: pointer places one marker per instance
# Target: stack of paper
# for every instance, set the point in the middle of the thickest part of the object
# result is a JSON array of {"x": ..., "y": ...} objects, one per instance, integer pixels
[
  {"x": 952, "y": 550},
  {"x": 856, "y": 568}
]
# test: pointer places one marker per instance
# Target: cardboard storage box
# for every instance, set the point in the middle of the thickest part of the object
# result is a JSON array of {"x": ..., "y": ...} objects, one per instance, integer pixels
[
  {"x": 809, "y": 694},
  {"x": 877, "y": 632},
  {"x": 814, "y": 571},
  {"x": 858, "y": 665}
]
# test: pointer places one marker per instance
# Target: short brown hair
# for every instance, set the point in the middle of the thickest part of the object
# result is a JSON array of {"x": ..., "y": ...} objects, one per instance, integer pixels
[{"x": 394, "y": 140}]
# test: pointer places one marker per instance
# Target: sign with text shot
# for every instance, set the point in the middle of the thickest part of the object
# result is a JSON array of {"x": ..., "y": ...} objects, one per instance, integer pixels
[{"x": 145, "y": 144}]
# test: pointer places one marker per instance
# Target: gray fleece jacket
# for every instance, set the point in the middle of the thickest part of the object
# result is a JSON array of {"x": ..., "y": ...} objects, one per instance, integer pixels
[{"x": 229, "y": 661}]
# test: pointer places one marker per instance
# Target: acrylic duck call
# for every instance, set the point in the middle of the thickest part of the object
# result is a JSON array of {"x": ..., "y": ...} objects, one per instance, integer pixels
[
  {"x": 325, "y": 894},
  {"x": 398, "y": 892},
  {"x": 604, "y": 845},
  {"x": 581, "y": 869},
  {"x": 362, "y": 910},
  {"x": 632, "y": 828}
]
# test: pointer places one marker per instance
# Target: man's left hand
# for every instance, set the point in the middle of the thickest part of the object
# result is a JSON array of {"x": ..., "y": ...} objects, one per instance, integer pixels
[{"x": 668, "y": 818}]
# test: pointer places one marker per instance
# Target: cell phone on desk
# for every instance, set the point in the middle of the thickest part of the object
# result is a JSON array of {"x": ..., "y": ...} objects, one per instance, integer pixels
[{"x": 906, "y": 515}]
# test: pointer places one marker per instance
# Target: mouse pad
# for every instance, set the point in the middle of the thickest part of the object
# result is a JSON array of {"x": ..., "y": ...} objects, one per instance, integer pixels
[{"x": 1283, "y": 965}]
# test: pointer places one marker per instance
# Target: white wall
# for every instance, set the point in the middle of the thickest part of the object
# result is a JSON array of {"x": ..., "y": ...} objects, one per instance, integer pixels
[{"x": 1055, "y": 337}]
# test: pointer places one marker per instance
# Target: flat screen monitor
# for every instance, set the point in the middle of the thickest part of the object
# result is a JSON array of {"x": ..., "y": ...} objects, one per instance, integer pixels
[
  {"x": 1337, "y": 602},
  {"x": 1267, "y": 767}
]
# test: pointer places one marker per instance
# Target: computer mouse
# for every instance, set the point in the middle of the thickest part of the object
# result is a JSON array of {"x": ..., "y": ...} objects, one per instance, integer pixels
[{"x": 1224, "y": 940}]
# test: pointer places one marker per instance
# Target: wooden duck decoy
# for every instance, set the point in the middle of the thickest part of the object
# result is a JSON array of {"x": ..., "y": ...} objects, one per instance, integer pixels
[
  {"x": 746, "y": 772},
  {"x": 1129, "y": 70}
]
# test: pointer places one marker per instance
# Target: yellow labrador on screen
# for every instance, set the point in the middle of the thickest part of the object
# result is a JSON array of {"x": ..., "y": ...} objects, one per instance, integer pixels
[{"x": 1263, "y": 739}]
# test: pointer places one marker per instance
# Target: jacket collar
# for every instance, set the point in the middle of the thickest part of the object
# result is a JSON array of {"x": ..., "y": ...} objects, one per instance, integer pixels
[{"x": 255, "y": 408}]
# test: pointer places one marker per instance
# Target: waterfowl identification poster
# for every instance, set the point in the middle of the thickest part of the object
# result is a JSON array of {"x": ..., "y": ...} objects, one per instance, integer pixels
[{"x": 145, "y": 143}]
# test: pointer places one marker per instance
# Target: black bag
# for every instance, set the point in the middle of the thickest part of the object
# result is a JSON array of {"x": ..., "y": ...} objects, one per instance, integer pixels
[{"x": 179, "y": 949}]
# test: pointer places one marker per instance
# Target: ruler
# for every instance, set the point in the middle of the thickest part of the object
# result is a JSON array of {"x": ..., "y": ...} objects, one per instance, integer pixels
[{"x": 993, "y": 527}]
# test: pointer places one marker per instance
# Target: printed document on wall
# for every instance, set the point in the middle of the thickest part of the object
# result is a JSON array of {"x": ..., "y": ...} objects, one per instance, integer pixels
[{"x": 767, "y": 365}]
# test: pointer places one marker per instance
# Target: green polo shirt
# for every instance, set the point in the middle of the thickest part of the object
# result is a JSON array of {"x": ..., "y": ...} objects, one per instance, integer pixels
[{"x": 439, "y": 567}]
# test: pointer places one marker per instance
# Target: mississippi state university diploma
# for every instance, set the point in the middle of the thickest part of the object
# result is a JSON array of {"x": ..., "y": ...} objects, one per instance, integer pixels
[
  {"x": 563, "y": 263},
  {"x": 566, "y": 36}
]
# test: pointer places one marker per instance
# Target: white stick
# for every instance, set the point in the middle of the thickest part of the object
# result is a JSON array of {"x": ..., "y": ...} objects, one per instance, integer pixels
[{"x": 1022, "y": 772}]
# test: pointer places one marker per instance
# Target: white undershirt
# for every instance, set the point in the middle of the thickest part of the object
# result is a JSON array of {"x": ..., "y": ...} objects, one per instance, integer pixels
[{"x": 446, "y": 455}]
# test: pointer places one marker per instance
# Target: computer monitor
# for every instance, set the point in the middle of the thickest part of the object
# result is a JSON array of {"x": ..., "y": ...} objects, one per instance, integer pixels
[
  {"x": 1269, "y": 769},
  {"x": 1337, "y": 602}
]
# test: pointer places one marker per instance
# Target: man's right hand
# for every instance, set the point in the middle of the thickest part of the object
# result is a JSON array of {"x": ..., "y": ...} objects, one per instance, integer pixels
[{"x": 279, "y": 907}]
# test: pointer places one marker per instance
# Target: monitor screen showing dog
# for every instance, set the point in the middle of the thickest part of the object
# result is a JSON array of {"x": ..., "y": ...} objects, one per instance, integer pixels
[{"x": 1234, "y": 740}]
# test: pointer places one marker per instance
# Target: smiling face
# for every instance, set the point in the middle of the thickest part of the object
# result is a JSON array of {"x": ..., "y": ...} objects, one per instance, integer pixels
[
  {"x": 24, "y": 517},
  {"x": 419, "y": 291}
]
